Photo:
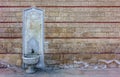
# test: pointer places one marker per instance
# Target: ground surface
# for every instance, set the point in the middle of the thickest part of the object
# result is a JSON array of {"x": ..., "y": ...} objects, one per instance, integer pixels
[{"x": 72, "y": 72}]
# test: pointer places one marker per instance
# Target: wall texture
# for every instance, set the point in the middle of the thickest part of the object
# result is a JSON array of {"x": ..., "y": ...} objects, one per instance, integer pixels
[{"x": 77, "y": 30}]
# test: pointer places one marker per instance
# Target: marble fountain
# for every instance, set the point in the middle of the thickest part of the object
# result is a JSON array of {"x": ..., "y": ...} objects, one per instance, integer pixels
[{"x": 33, "y": 39}]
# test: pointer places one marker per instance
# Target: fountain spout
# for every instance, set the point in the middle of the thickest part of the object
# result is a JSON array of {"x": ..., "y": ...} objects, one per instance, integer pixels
[{"x": 32, "y": 51}]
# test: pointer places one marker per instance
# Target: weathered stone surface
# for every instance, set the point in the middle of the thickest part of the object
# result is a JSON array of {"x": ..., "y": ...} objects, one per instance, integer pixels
[
  {"x": 83, "y": 61},
  {"x": 83, "y": 45},
  {"x": 14, "y": 59},
  {"x": 10, "y": 46}
]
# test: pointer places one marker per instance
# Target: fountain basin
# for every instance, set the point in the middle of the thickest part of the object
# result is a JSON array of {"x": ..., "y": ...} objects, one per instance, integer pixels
[{"x": 30, "y": 59}]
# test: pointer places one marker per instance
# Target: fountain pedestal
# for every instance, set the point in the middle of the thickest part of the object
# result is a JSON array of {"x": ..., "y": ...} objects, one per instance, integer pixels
[{"x": 31, "y": 69}]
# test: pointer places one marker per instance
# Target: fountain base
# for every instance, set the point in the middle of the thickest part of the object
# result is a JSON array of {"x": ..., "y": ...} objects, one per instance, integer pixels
[{"x": 31, "y": 69}]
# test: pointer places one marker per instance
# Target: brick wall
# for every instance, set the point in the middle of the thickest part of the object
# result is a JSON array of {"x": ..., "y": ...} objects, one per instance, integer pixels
[{"x": 77, "y": 30}]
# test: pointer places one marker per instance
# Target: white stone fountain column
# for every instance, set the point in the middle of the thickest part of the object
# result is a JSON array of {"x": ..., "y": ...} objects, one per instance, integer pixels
[{"x": 33, "y": 29}]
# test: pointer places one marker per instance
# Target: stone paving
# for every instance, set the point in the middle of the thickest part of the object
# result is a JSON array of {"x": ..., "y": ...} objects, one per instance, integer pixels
[{"x": 72, "y": 72}]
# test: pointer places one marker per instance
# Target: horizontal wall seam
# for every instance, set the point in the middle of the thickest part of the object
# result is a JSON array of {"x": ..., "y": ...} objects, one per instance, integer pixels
[
  {"x": 74, "y": 53},
  {"x": 84, "y": 22},
  {"x": 67, "y": 22},
  {"x": 62, "y": 6},
  {"x": 66, "y": 37},
  {"x": 82, "y": 37}
]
